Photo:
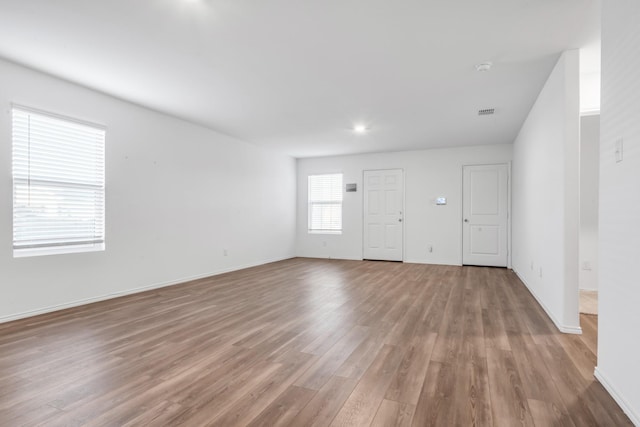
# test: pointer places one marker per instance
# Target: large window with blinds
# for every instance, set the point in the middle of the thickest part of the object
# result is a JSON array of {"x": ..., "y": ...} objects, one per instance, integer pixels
[
  {"x": 58, "y": 184},
  {"x": 325, "y": 203}
]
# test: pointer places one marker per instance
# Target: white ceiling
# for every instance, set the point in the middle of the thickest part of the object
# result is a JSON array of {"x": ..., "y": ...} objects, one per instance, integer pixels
[{"x": 296, "y": 75}]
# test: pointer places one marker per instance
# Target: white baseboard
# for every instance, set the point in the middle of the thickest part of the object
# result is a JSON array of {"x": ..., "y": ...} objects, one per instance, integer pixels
[
  {"x": 348, "y": 258},
  {"x": 562, "y": 328},
  {"x": 58, "y": 307},
  {"x": 603, "y": 379},
  {"x": 436, "y": 262},
  {"x": 406, "y": 260}
]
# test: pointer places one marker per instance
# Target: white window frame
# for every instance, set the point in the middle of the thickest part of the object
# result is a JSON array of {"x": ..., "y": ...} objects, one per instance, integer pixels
[
  {"x": 330, "y": 197},
  {"x": 65, "y": 184}
]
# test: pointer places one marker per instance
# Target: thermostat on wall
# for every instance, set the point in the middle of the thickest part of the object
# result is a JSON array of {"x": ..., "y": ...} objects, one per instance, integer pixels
[
  {"x": 350, "y": 188},
  {"x": 441, "y": 201}
]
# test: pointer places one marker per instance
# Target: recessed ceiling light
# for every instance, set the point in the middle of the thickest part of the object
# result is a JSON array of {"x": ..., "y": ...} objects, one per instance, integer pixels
[
  {"x": 484, "y": 66},
  {"x": 360, "y": 128}
]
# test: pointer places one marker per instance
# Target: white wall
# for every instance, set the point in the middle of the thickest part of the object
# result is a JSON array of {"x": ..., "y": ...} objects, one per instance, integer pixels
[
  {"x": 619, "y": 217},
  {"x": 589, "y": 176},
  {"x": 428, "y": 174},
  {"x": 546, "y": 196},
  {"x": 177, "y": 195}
]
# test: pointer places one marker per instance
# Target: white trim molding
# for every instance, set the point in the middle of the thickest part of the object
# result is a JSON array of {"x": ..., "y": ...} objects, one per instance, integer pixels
[
  {"x": 628, "y": 410},
  {"x": 577, "y": 330}
]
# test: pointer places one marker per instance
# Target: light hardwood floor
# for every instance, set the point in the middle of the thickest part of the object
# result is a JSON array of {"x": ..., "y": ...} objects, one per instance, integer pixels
[
  {"x": 307, "y": 343},
  {"x": 588, "y": 302}
]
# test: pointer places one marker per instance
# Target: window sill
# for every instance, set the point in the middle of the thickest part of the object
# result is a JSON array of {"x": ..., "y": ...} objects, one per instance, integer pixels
[
  {"x": 57, "y": 250},
  {"x": 324, "y": 232}
]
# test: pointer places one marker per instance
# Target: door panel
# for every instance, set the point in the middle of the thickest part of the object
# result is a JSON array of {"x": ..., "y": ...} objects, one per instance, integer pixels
[
  {"x": 392, "y": 202},
  {"x": 375, "y": 236},
  {"x": 373, "y": 202},
  {"x": 485, "y": 215},
  {"x": 485, "y": 190},
  {"x": 383, "y": 215},
  {"x": 391, "y": 236},
  {"x": 484, "y": 240}
]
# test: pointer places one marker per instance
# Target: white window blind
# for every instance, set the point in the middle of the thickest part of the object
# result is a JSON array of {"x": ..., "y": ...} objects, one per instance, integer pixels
[
  {"x": 325, "y": 203},
  {"x": 58, "y": 185}
]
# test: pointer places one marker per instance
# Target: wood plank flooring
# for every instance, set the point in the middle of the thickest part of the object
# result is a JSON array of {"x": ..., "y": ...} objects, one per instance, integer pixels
[{"x": 307, "y": 342}]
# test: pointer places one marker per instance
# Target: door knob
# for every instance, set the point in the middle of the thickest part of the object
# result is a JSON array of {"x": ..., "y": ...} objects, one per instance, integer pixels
[
  {"x": 466, "y": 220},
  {"x": 399, "y": 219}
]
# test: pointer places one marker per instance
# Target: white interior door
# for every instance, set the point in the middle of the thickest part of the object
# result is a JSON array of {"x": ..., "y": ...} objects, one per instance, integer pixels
[
  {"x": 383, "y": 214},
  {"x": 485, "y": 215}
]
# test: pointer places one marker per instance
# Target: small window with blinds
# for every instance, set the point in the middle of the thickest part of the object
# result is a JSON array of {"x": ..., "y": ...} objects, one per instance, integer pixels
[
  {"x": 325, "y": 203},
  {"x": 58, "y": 185}
]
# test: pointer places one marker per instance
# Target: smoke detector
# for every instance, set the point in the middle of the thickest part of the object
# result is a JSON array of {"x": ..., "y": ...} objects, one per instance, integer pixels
[{"x": 484, "y": 66}]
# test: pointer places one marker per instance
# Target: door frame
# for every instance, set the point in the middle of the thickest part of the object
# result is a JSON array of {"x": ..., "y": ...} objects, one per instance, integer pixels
[
  {"x": 404, "y": 212},
  {"x": 461, "y": 213}
]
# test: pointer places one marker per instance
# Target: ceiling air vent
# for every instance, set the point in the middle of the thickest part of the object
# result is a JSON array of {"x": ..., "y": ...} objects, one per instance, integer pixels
[{"x": 486, "y": 112}]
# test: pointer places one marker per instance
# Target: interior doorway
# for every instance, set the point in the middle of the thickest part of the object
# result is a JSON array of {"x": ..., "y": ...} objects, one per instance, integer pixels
[
  {"x": 383, "y": 234},
  {"x": 589, "y": 178},
  {"x": 485, "y": 213}
]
